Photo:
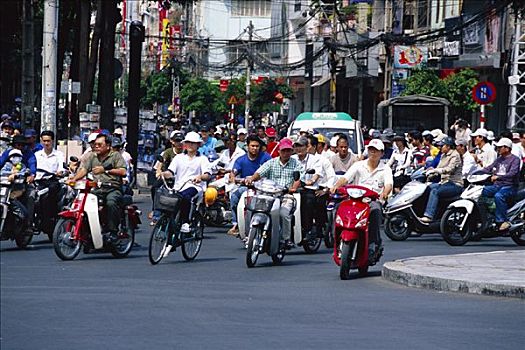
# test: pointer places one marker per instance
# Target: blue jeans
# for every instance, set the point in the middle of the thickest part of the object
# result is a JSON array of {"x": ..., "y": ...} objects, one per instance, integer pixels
[
  {"x": 234, "y": 201},
  {"x": 502, "y": 195},
  {"x": 438, "y": 191},
  {"x": 185, "y": 205}
]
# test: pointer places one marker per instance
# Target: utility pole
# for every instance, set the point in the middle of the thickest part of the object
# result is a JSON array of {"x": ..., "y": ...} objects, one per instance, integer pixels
[
  {"x": 136, "y": 39},
  {"x": 248, "y": 79},
  {"x": 333, "y": 61},
  {"x": 28, "y": 64},
  {"x": 49, "y": 66},
  {"x": 516, "y": 117},
  {"x": 175, "y": 88}
]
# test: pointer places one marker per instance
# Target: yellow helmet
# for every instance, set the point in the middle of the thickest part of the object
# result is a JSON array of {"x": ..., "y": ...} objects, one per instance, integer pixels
[
  {"x": 320, "y": 138},
  {"x": 210, "y": 196}
]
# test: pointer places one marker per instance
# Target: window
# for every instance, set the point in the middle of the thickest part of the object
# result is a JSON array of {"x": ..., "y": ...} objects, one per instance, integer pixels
[
  {"x": 251, "y": 8},
  {"x": 297, "y": 6},
  {"x": 422, "y": 14}
]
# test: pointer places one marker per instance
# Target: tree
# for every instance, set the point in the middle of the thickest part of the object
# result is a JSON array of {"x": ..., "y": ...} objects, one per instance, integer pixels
[
  {"x": 264, "y": 95},
  {"x": 158, "y": 89},
  {"x": 203, "y": 97},
  {"x": 425, "y": 82},
  {"x": 456, "y": 88},
  {"x": 459, "y": 91}
]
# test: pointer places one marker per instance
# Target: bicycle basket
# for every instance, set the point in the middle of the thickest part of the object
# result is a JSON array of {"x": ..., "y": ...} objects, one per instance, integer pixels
[
  {"x": 261, "y": 203},
  {"x": 167, "y": 200}
]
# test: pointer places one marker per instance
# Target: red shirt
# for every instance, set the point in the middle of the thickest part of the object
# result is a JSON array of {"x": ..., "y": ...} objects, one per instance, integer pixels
[{"x": 273, "y": 149}]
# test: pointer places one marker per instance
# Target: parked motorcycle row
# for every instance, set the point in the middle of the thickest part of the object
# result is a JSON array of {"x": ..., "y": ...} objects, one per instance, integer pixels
[{"x": 459, "y": 219}]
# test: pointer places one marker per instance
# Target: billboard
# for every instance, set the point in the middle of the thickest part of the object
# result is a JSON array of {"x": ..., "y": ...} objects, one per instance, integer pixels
[{"x": 410, "y": 56}]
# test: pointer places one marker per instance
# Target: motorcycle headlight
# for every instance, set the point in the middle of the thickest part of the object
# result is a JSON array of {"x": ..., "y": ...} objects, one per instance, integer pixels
[
  {"x": 80, "y": 185},
  {"x": 355, "y": 192}
]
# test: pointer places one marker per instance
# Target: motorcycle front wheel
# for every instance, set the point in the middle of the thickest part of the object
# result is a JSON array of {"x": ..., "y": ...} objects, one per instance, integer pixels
[
  {"x": 126, "y": 237},
  {"x": 344, "y": 269},
  {"x": 277, "y": 258},
  {"x": 66, "y": 248},
  {"x": 192, "y": 246},
  {"x": 254, "y": 245},
  {"x": 158, "y": 240},
  {"x": 397, "y": 227},
  {"x": 450, "y": 227},
  {"x": 312, "y": 245}
]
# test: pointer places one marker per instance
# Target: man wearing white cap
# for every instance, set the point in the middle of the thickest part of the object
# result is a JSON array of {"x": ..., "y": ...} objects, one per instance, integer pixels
[
  {"x": 330, "y": 152},
  {"x": 91, "y": 141},
  {"x": 241, "y": 138},
  {"x": 485, "y": 153},
  {"x": 377, "y": 176},
  {"x": 189, "y": 165},
  {"x": 505, "y": 172}
]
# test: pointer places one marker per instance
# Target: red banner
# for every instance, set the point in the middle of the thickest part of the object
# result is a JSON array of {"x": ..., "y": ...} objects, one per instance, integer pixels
[{"x": 223, "y": 85}]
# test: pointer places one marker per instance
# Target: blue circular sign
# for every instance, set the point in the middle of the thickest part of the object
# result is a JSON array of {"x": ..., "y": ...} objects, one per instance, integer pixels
[{"x": 484, "y": 93}]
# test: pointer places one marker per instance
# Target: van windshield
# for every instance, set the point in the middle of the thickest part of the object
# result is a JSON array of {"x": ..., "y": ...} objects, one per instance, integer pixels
[{"x": 328, "y": 133}]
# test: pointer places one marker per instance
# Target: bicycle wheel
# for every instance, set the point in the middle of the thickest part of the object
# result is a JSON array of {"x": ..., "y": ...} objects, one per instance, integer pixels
[
  {"x": 191, "y": 246},
  {"x": 159, "y": 240}
]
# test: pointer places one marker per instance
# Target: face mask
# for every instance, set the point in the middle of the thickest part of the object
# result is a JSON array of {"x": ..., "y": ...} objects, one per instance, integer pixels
[{"x": 16, "y": 160}]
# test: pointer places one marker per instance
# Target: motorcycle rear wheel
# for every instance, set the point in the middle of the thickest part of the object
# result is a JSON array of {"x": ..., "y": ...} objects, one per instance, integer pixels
[
  {"x": 254, "y": 246},
  {"x": 126, "y": 238},
  {"x": 65, "y": 247},
  {"x": 158, "y": 240},
  {"x": 397, "y": 227},
  {"x": 449, "y": 227},
  {"x": 192, "y": 247},
  {"x": 311, "y": 246}
]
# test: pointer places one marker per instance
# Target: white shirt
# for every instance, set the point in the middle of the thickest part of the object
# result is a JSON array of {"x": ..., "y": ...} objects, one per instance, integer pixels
[
  {"x": 400, "y": 162},
  {"x": 518, "y": 151},
  {"x": 327, "y": 174},
  {"x": 360, "y": 174},
  {"x": 310, "y": 161},
  {"x": 184, "y": 168},
  {"x": 487, "y": 155},
  {"x": 469, "y": 164},
  {"x": 53, "y": 162},
  {"x": 228, "y": 159}
]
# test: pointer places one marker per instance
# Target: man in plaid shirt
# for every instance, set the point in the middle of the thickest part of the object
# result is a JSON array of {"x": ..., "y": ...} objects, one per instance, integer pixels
[{"x": 281, "y": 171}]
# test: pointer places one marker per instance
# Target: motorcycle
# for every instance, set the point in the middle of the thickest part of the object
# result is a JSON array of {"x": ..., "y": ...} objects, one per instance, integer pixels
[
  {"x": 43, "y": 222},
  {"x": 470, "y": 218},
  {"x": 83, "y": 225},
  {"x": 13, "y": 213},
  {"x": 263, "y": 214},
  {"x": 404, "y": 210},
  {"x": 218, "y": 213},
  {"x": 351, "y": 231}
]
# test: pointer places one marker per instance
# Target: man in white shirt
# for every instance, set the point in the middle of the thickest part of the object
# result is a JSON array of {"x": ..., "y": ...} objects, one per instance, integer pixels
[
  {"x": 191, "y": 171},
  {"x": 485, "y": 153},
  {"x": 469, "y": 164},
  {"x": 377, "y": 176},
  {"x": 49, "y": 162},
  {"x": 226, "y": 161}
]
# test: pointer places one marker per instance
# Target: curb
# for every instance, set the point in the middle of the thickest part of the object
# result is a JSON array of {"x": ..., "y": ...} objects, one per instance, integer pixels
[{"x": 405, "y": 272}]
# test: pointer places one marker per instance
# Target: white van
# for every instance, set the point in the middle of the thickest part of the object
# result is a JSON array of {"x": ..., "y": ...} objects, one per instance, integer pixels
[{"x": 328, "y": 124}]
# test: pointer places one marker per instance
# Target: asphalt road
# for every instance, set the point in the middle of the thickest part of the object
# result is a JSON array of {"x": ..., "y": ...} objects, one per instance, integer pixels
[{"x": 216, "y": 302}]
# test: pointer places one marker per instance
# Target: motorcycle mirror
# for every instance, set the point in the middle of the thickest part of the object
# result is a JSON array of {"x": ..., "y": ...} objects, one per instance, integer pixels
[
  {"x": 310, "y": 171},
  {"x": 160, "y": 159},
  {"x": 296, "y": 175},
  {"x": 73, "y": 159}
]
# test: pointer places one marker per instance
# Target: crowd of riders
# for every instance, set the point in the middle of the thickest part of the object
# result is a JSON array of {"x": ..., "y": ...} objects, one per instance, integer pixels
[{"x": 265, "y": 151}]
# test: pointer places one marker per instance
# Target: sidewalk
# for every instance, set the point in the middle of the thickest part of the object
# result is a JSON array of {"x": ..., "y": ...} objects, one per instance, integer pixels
[{"x": 500, "y": 273}]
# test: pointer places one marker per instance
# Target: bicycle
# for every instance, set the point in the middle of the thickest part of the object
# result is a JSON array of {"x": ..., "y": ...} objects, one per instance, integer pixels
[{"x": 167, "y": 229}]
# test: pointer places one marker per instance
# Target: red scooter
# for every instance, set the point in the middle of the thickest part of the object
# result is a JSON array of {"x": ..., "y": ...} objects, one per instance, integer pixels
[{"x": 351, "y": 230}]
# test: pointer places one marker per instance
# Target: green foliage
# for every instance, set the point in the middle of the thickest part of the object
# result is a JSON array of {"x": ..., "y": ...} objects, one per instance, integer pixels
[
  {"x": 158, "y": 89},
  {"x": 459, "y": 89},
  {"x": 456, "y": 88},
  {"x": 263, "y": 96},
  {"x": 200, "y": 95},
  {"x": 425, "y": 82}
]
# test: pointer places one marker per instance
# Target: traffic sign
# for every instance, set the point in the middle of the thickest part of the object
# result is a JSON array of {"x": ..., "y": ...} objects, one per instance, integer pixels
[
  {"x": 484, "y": 93},
  {"x": 232, "y": 100}
]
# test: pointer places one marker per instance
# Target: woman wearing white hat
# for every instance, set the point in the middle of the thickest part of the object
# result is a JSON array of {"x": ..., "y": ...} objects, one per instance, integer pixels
[{"x": 189, "y": 165}]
